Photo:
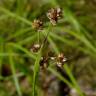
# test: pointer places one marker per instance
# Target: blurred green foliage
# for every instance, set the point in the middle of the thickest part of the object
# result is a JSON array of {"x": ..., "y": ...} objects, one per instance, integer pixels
[{"x": 74, "y": 35}]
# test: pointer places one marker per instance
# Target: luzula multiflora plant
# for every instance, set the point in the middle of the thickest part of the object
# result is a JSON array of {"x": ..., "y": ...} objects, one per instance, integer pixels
[{"x": 54, "y": 14}]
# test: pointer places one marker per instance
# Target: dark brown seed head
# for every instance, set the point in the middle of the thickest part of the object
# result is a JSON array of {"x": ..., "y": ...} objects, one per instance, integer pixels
[
  {"x": 44, "y": 62},
  {"x": 54, "y": 14},
  {"x": 60, "y": 60},
  {"x": 35, "y": 48},
  {"x": 37, "y": 24}
]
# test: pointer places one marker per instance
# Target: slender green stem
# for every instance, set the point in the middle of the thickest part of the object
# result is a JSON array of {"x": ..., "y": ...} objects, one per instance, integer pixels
[
  {"x": 47, "y": 32},
  {"x": 37, "y": 65},
  {"x": 35, "y": 73},
  {"x": 38, "y": 37}
]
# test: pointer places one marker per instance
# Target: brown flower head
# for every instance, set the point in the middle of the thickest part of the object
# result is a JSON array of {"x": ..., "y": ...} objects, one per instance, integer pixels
[
  {"x": 60, "y": 60},
  {"x": 35, "y": 48},
  {"x": 37, "y": 24},
  {"x": 44, "y": 62},
  {"x": 54, "y": 14}
]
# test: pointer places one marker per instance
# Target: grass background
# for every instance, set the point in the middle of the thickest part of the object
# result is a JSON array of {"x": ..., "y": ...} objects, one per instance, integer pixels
[{"x": 74, "y": 35}]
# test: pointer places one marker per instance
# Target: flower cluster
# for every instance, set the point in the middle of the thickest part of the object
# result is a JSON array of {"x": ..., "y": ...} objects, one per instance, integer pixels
[
  {"x": 54, "y": 14},
  {"x": 35, "y": 48},
  {"x": 44, "y": 62},
  {"x": 37, "y": 24},
  {"x": 59, "y": 60}
]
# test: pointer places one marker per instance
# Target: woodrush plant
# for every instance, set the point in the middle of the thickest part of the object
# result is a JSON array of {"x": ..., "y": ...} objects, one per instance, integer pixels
[
  {"x": 53, "y": 14},
  {"x": 36, "y": 66},
  {"x": 77, "y": 34}
]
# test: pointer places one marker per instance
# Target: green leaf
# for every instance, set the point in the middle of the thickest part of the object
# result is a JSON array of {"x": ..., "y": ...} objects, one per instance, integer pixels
[{"x": 14, "y": 74}]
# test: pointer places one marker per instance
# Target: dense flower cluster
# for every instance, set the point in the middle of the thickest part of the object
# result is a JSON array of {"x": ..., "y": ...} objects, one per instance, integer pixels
[
  {"x": 59, "y": 60},
  {"x": 37, "y": 24},
  {"x": 54, "y": 14}
]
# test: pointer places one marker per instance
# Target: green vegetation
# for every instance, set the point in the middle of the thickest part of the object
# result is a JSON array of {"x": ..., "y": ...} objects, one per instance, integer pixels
[{"x": 73, "y": 35}]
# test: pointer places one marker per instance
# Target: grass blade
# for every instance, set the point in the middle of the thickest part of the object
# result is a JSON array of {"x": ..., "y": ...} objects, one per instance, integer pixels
[
  {"x": 22, "y": 49},
  {"x": 60, "y": 77},
  {"x": 28, "y": 39},
  {"x": 11, "y": 14},
  {"x": 14, "y": 74},
  {"x": 19, "y": 33},
  {"x": 73, "y": 80}
]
